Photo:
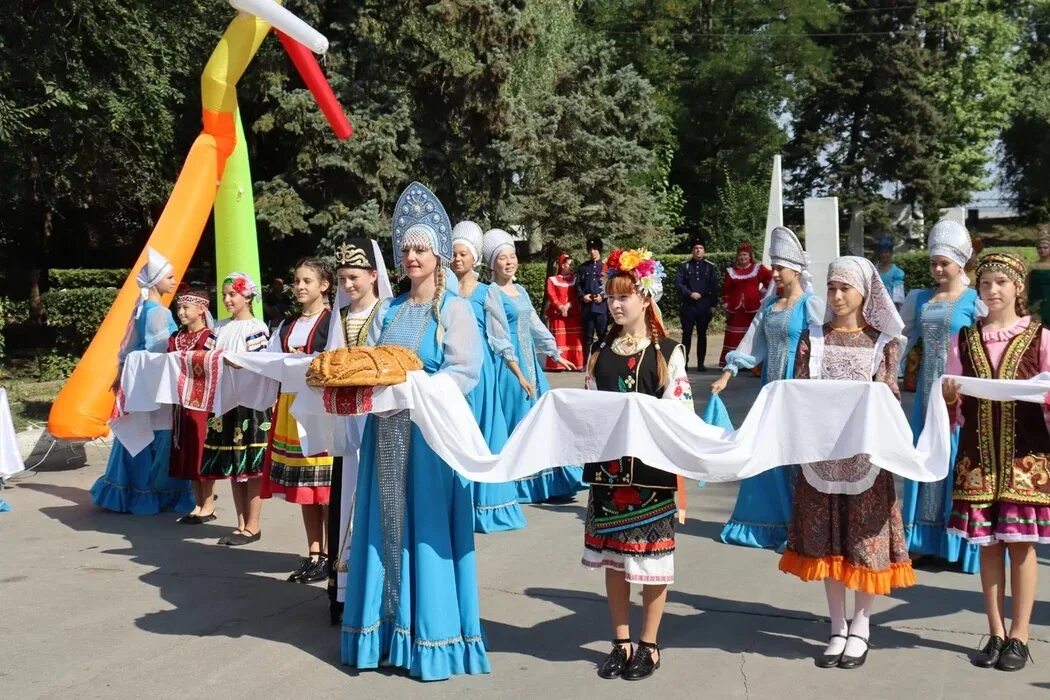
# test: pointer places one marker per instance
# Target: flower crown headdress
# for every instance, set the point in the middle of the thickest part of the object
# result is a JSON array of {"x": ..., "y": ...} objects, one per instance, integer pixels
[{"x": 648, "y": 273}]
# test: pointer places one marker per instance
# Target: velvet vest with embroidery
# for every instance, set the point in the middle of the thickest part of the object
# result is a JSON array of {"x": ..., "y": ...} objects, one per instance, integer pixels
[
  {"x": 315, "y": 342},
  {"x": 631, "y": 373},
  {"x": 1004, "y": 449}
]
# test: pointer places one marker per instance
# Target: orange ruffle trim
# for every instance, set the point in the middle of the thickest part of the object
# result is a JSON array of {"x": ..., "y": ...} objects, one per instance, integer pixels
[{"x": 853, "y": 577}]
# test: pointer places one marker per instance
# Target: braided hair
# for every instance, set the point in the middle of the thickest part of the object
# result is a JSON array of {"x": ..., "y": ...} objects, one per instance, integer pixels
[{"x": 439, "y": 293}]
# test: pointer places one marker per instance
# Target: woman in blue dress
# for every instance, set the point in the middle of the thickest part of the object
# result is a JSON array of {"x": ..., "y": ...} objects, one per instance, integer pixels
[
  {"x": 496, "y": 507},
  {"x": 891, "y": 275},
  {"x": 763, "y": 503},
  {"x": 932, "y": 317},
  {"x": 140, "y": 485},
  {"x": 412, "y": 590},
  {"x": 530, "y": 339}
]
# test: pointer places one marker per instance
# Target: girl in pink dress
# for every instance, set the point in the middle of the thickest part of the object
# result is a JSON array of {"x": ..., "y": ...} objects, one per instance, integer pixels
[{"x": 1001, "y": 498}]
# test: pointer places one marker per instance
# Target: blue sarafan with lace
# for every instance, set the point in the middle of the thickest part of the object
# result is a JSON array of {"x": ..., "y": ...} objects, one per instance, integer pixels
[
  {"x": 926, "y": 507},
  {"x": 530, "y": 339},
  {"x": 763, "y": 505},
  {"x": 412, "y": 591},
  {"x": 141, "y": 485}
]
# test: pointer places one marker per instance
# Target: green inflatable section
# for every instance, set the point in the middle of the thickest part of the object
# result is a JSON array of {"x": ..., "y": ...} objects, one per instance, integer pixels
[{"x": 236, "y": 244}]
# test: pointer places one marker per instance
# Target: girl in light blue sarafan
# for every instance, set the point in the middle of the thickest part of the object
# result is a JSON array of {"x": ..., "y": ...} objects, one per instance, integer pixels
[
  {"x": 141, "y": 485},
  {"x": 530, "y": 339},
  {"x": 763, "y": 504},
  {"x": 891, "y": 275},
  {"x": 932, "y": 317},
  {"x": 412, "y": 588},
  {"x": 496, "y": 507}
]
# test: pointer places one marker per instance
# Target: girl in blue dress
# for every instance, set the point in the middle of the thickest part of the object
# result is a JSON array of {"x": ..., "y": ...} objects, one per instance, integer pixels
[
  {"x": 763, "y": 504},
  {"x": 496, "y": 507},
  {"x": 140, "y": 485},
  {"x": 932, "y": 317},
  {"x": 530, "y": 339},
  {"x": 412, "y": 590}
]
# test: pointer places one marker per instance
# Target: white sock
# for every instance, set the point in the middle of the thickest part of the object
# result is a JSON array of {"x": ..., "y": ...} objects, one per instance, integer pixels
[
  {"x": 836, "y": 593},
  {"x": 860, "y": 625}
]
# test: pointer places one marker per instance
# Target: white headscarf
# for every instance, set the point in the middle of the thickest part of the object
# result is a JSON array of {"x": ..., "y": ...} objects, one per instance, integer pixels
[
  {"x": 493, "y": 243},
  {"x": 950, "y": 239},
  {"x": 469, "y": 234},
  {"x": 879, "y": 310},
  {"x": 156, "y": 268}
]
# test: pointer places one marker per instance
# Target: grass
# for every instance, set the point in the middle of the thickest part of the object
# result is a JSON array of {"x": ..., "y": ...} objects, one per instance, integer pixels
[{"x": 30, "y": 400}]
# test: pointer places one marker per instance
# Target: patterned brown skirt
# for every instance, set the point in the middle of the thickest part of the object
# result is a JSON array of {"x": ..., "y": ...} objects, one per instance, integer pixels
[{"x": 858, "y": 540}]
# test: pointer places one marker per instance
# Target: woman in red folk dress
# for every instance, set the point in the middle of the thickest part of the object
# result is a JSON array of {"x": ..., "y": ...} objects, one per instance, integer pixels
[
  {"x": 563, "y": 315},
  {"x": 742, "y": 290}
]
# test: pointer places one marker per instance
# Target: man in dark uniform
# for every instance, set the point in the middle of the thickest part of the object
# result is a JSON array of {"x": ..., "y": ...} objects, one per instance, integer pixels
[
  {"x": 697, "y": 283},
  {"x": 590, "y": 286}
]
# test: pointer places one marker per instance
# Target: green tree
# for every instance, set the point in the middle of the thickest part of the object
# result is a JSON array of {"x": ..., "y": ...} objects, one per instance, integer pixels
[
  {"x": 915, "y": 98},
  {"x": 1026, "y": 140},
  {"x": 92, "y": 119}
]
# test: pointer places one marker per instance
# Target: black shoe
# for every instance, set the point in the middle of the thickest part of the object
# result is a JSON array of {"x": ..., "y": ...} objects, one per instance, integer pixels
[
  {"x": 641, "y": 664},
  {"x": 850, "y": 662},
  {"x": 317, "y": 571},
  {"x": 616, "y": 661},
  {"x": 304, "y": 565},
  {"x": 242, "y": 538},
  {"x": 1014, "y": 655},
  {"x": 335, "y": 612},
  {"x": 989, "y": 655},
  {"x": 701, "y": 368},
  {"x": 830, "y": 660}
]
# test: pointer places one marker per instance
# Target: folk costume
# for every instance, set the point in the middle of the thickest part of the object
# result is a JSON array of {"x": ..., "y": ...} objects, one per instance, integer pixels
[
  {"x": 856, "y": 539},
  {"x": 496, "y": 506},
  {"x": 926, "y": 507},
  {"x": 412, "y": 592},
  {"x": 191, "y": 425},
  {"x": 565, "y": 324},
  {"x": 742, "y": 292},
  {"x": 764, "y": 502},
  {"x": 1002, "y": 472},
  {"x": 530, "y": 339},
  {"x": 631, "y": 506},
  {"x": 141, "y": 485},
  {"x": 287, "y": 472},
  {"x": 697, "y": 277},
  {"x": 349, "y": 329},
  {"x": 590, "y": 281},
  {"x": 237, "y": 440}
]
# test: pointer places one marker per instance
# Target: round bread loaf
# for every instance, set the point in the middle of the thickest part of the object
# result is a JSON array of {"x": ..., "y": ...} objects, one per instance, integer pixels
[{"x": 385, "y": 365}]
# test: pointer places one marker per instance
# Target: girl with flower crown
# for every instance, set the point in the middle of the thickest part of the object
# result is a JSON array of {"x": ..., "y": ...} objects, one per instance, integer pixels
[
  {"x": 236, "y": 441},
  {"x": 1001, "y": 495},
  {"x": 530, "y": 339},
  {"x": 629, "y": 529}
]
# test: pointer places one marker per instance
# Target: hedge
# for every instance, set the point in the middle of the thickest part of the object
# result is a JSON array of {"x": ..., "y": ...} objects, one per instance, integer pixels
[{"x": 80, "y": 279}]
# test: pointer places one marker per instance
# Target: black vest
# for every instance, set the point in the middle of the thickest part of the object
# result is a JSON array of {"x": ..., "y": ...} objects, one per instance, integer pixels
[
  {"x": 317, "y": 339},
  {"x": 633, "y": 373}
]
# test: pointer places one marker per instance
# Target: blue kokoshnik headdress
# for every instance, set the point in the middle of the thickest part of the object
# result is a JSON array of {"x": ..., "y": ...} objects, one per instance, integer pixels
[{"x": 420, "y": 220}]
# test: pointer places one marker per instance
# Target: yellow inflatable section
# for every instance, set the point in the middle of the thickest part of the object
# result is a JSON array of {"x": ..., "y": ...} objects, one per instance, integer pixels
[{"x": 85, "y": 403}]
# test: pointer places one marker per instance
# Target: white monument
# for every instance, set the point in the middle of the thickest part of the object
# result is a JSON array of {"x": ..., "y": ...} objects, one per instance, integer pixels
[
  {"x": 957, "y": 214},
  {"x": 822, "y": 238},
  {"x": 775, "y": 212}
]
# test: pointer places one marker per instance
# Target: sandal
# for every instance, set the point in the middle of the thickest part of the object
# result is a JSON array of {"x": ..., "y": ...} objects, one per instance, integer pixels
[
  {"x": 616, "y": 662},
  {"x": 243, "y": 538}
]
